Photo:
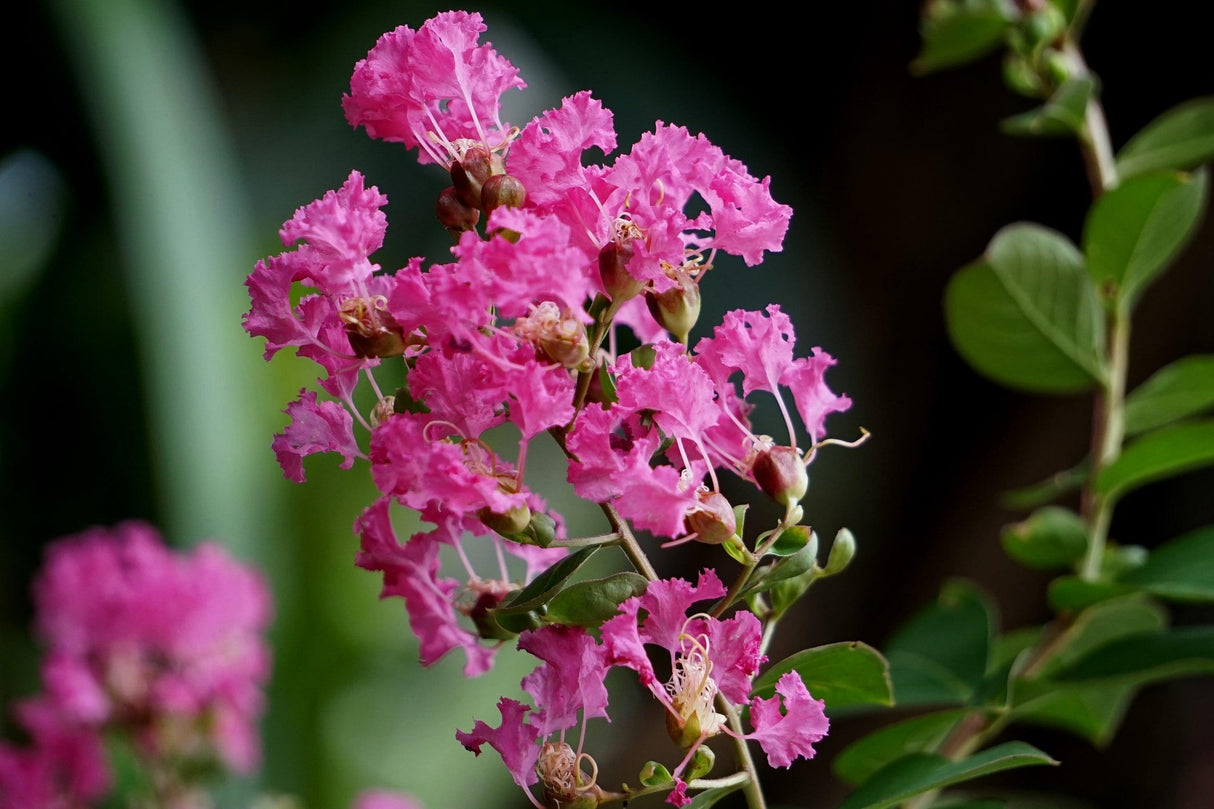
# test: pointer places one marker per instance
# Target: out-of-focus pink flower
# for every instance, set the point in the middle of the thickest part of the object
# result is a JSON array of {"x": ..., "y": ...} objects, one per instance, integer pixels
[
  {"x": 384, "y": 799},
  {"x": 154, "y": 642},
  {"x": 64, "y": 766}
]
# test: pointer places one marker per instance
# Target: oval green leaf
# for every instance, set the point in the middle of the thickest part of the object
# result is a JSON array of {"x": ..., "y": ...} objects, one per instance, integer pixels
[
  {"x": 1051, "y": 538},
  {"x": 1027, "y": 314},
  {"x": 942, "y": 653},
  {"x": 1180, "y": 570},
  {"x": 1162, "y": 454},
  {"x": 841, "y": 674},
  {"x": 921, "y": 772},
  {"x": 920, "y": 734},
  {"x": 1146, "y": 657},
  {"x": 1181, "y": 138},
  {"x": 1184, "y": 388},
  {"x": 1061, "y": 115},
  {"x": 960, "y": 34},
  {"x": 590, "y": 603},
  {"x": 1133, "y": 232},
  {"x": 546, "y": 585}
]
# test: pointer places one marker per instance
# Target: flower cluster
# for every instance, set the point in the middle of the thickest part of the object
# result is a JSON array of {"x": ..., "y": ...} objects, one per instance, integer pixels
[
  {"x": 558, "y": 262},
  {"x": 182, "y": 681}
]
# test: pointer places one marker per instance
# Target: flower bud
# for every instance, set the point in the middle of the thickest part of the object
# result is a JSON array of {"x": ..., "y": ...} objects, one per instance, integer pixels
[
  {"x": 370, "y": 327},
  {"x": 678, "y": 308},
  {"x": 713, "y": 520},
  {"x": 613, "y": 270},
  {"x": 454, "y": 214},
  {"x": 841, "y": 553},
  {"x": 701, "y": 763},
  {"x": 469, "y": 173},
  {"x": 510, "y": 524},
  {"x": 502, "y": 189},
  {"x": 781, "y": 475},
  {"x": 484, "y": 619}
]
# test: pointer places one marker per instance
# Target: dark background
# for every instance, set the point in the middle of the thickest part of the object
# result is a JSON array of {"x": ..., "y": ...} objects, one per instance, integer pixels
[{"x": 895, "y": 181}]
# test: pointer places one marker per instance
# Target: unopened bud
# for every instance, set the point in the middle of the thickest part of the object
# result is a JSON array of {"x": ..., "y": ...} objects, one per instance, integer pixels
[
  {"x": 469, "y": 173},
  {"x": 781, "y": 475},
  {"x": 678, "y": 308},
  {"x": 485, "y": 621},
  {"x": 713, "y": 520},
  {"x": 502, "y": 190},
  {"x": 454, "y": 214},
  {"x": 613, "y": 270},
  {"x": 841, "y": 553},
  {"x": 510, "y": 524},
  {"x": 701, "y": 763}
]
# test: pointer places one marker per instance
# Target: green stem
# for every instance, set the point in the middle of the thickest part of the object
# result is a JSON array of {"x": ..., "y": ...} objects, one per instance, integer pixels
[
  {"x": 753, "y": 791},
  {"x": 1107, "y": 437},
  {"x": 628, "y": 542}
]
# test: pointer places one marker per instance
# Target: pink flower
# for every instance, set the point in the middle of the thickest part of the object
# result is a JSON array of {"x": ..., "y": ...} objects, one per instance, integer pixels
[
  {"x": 571, "y": 679},
  {"x": 433, "y": 84},
  {"x": 315, "y": 427},
  {"x": 135, "y": 630},
  {"x": 383, "y": 799},
  {"x": 791, "y": 734},
  {"x": 65, "y": 764},
  {"x": 514, "y": 739}
]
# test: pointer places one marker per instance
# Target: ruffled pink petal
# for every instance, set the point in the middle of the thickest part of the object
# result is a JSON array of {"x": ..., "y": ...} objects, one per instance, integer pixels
[
  {"x": 792, "y": 734},
  {"x": 514, "y": 740},
  {"x": 315, "y": 427}
]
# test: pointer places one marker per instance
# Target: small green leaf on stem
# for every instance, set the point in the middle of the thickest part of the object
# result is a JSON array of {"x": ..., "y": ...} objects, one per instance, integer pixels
[
  {"x": 1052, "y": 538},
  {"x": 920, "y": 734},
  {"x": 1181, "y": 138},
  {"x": 1164, "y": 453},
  {"x": 958, "y": 32},
  {"x": 1176, "y": 391},
  {"x": 590, "y": 603},
  {"x": 1180, "y": 570}
]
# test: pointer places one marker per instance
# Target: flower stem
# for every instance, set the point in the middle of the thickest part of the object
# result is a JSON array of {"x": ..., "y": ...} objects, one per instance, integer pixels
[{"x": 752, "y": 790}]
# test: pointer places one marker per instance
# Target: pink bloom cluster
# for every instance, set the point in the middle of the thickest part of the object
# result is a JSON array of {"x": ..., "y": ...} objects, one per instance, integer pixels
[
  {"x": 706, "y": 656},
  {"x": 162, "y": 647},
  {"x": 518, "y": 336}
]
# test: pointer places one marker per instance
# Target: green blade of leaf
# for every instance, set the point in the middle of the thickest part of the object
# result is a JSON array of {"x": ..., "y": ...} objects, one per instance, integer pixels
[
  {"x": 1049, "y": 489},
  {"x": 920, "y": 734},
  {"x": 1027, "y": 314},
  {"x": 1181, "y": 138},
  {"x": 1071, "y": 593},
  {"x": 1180, "y": 570},
  {"x": 1176, "y": 391},
  {"x": 709, "y": 797},
  {"x": 1133, "y": 231},
  {"x": 590, "y": 603},
  {"x": 921, "y": 772},
  {"x": 841, "y": 674},
  {"x": 1051, "y": 538},
  {"x": 1146, "y": 657},
  {"x": 1061, "y": 115},
  {"x": 1092, "y": 712},
  {"x": 961, "y": 34},
  {"x": 1162, "y": 454},
  {"x": 544, "y": 586},
  {"x": 945, "y": 645}
]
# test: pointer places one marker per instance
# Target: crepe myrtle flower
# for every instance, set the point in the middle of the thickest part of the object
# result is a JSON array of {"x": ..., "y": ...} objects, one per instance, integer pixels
[
  {"x": 710, "y": 656},
  {"x": 568, "y": 689}
]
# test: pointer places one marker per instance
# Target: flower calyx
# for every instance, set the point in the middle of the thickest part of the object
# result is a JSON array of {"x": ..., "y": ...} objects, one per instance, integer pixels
[
  {"x": 371, "y": 328},
  {"x": 780, "y": 473}
]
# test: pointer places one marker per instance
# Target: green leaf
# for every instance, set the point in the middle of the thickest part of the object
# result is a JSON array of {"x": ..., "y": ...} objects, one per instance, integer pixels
[
  {"x": 942, "y": 653},
  {"x": 1027, "y": 314},
  {"x": 1180, "y": 570},
  {"x": 841, "y": 674},
  {"x": 1062, "y": 114},
  {"x": 790, "y": 541},
  {"x": 1162, "y": 454},
  {"x": 710, "y": 796},
  {"x": 1092, "y": 712},
  {"x": 921, "y": 772},
  {"x": 920, "y": 734},
  {"x": 655, "y": 774},
  {"x": 1181, "y": 138},
  {"x": 789, "y": 567},
  {"x": 589, "y": 603},
  {"x": 1071, "y": 593},
  {"x": 1053, "y": 537},
  {"x": 1184, "y": 388},
  {"x": 1146, "y": 657},
  {"x": 960, "y": 33},
  {"x": 546, "y": 585},
  {"x": 1133, "y": 231},
  {"x": 1051, "y": 488}
]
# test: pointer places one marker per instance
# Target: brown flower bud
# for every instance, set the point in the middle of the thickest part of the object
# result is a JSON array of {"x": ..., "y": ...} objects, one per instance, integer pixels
[
  {"x": 713, "y": 521},
  {"x": 502, "y": 189},
  {"x": 781, "y": 475},
  {"x": 370, "y": 327},
  {"x": 470, "y": 172},
  {"x": 454, "y": 214},
  {"x": 613, "y": 270}
]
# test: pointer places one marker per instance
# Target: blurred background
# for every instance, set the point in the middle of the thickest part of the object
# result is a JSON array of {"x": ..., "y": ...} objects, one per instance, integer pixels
[{"x": 152, "y": 149}]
